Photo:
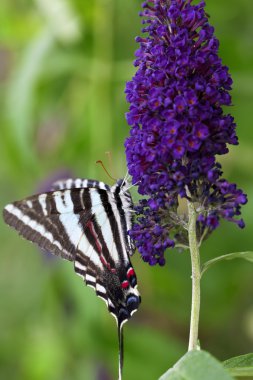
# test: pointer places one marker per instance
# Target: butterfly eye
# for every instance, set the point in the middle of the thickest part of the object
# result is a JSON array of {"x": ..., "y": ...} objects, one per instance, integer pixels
[{"x": 121, "y": 183}]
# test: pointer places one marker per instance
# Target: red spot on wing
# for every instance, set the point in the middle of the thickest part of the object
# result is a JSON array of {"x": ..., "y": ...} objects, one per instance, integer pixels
[
  {"x": 125, "y": 284},
  {"x": 130, "y": 272}
]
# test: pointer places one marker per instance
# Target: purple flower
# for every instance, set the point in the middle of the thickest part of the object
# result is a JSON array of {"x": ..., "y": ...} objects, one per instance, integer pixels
[{"x": 178, "y": 127}]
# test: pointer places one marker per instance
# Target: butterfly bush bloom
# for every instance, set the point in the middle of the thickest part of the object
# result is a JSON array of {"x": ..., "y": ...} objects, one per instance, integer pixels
[{"x": 178, "y": 127}]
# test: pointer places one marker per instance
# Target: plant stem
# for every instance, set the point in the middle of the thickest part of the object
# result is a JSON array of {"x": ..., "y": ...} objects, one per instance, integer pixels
[{"x": 195, "y": 263}]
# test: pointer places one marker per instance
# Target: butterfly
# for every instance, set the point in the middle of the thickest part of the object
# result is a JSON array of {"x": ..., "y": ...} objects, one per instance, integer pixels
[{"x": 86, "y": 221}]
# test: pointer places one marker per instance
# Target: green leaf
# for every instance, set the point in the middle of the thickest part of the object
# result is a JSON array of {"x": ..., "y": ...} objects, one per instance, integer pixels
[
  {"x": 197, "y": 365},
  {"x": 248, "y": 255},
  {"x": 240, "y": 365}
]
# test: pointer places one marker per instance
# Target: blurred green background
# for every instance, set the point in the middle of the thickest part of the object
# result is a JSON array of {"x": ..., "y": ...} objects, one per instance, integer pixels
[{"x": 63, "y": 68}]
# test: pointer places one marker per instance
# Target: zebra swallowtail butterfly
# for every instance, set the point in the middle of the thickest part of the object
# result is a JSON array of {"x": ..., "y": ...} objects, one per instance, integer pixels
[{"x": 86, "y": 222}]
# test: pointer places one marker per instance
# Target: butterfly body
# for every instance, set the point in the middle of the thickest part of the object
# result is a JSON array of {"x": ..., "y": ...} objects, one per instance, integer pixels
[{"x": 86, "y": 222}]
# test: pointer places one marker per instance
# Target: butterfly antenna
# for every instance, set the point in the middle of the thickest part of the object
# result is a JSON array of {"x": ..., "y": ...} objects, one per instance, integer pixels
[
  {"x": 103, "y": 166},
  {"x": 121, "y": 349}
]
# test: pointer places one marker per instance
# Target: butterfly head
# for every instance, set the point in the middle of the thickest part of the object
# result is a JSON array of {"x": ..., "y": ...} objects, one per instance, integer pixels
[
  {"x": 121, "y": 185},
  {"x": 125, "y": 184}
]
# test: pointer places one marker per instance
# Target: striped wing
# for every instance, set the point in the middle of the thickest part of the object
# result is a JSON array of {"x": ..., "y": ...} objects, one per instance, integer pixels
[
  {"x": 118, "y": 194},
  {"x": 88, "y": 226},
  {"x": 79, "y": 183}
]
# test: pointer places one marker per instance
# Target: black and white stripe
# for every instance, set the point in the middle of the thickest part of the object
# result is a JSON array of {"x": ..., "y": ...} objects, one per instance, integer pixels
[{"x": 86, "y": 221}]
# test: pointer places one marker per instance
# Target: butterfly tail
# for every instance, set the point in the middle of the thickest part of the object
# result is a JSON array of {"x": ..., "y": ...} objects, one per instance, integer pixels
[{"x": 121, "y": 349}]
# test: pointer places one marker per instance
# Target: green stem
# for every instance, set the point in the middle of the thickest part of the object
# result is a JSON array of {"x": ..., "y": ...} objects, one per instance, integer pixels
[{"x": 195, "y": 263}]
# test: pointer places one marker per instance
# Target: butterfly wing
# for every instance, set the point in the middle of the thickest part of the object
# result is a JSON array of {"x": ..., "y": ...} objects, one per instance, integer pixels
[
  {"x": 77, "y": 183},
  {"x": 37, "y": 219},
  {"x": 121, "y": 197},
  {"x": 86, "y": 223},
  {"x": 83, "y": 225}
]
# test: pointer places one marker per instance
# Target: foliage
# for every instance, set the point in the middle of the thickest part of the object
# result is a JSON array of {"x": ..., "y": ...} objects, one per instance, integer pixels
[
  {"x": 240, "y": 365},
  {"x": 197, "y": 365}
]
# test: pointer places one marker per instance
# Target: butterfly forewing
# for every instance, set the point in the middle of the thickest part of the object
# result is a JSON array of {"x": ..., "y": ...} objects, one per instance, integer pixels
[
  {"x": 28, "y": 218},
  {"x": 79, "y": 183}
]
